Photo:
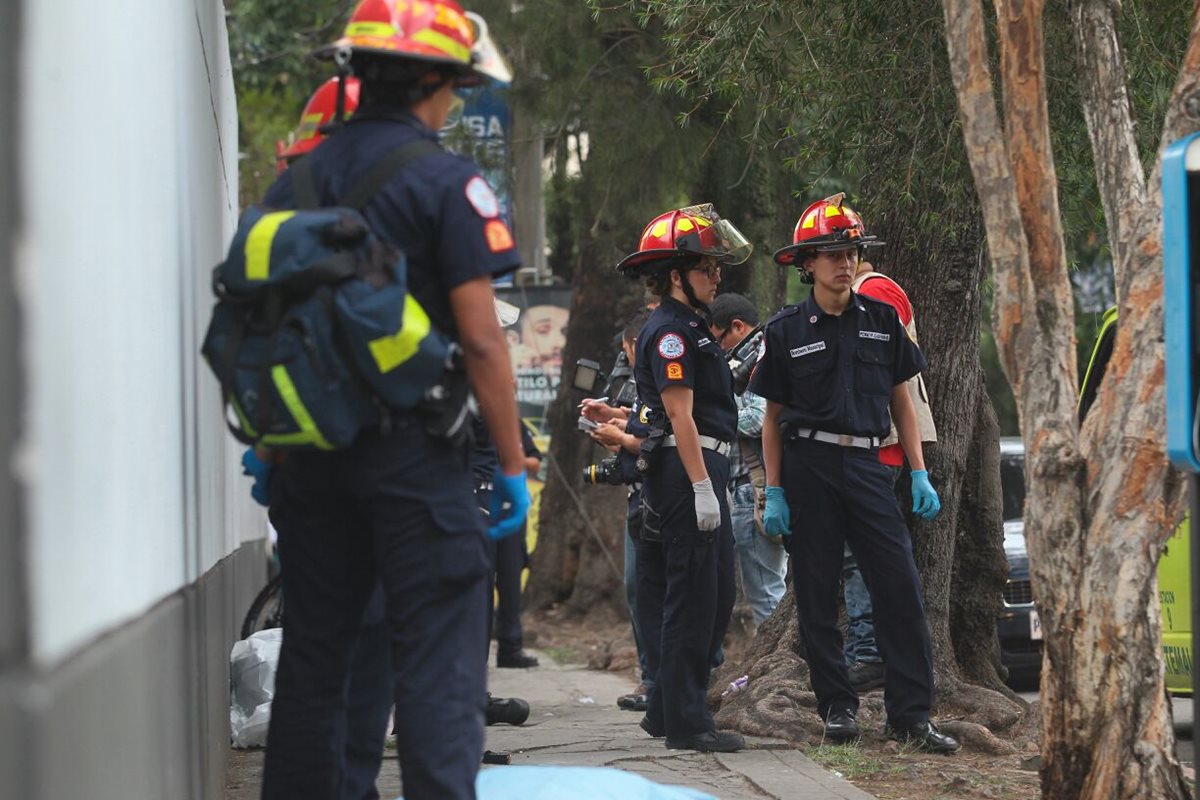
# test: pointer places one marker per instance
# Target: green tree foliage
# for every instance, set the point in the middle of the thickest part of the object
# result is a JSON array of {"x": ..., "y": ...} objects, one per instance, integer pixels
[
  {"x": 270, "y": 44},
  {"x": 870, "y": 109}
]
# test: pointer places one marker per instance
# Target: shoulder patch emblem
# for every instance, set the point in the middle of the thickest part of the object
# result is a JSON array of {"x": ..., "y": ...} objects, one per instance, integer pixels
[
  {"x": 482, "y": 198},
  {"x": 498, "y": 237},
  {"x": 671, "y": 346},
  {"x": 674, "y": 371}
]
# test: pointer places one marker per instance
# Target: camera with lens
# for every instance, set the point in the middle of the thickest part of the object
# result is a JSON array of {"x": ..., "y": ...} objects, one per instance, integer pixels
[
  {"x": 743, "y": 358},
  {"x": 607, "y": 471}
]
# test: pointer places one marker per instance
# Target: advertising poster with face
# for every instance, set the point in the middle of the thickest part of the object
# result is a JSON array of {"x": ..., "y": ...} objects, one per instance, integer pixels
[
  {"x": 536, "y": 339},
  {"x": 535, "y": 344}
]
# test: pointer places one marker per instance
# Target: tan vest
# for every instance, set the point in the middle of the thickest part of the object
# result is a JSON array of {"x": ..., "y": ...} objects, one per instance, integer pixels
[{"x": 916, "y": 384}]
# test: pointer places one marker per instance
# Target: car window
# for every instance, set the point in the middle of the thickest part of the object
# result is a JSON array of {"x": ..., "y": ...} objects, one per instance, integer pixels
[{"x": 1012, "y": 485}]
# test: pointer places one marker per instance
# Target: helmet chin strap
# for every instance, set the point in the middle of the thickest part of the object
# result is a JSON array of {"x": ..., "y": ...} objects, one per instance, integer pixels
[{"x": 694, "y": 301}]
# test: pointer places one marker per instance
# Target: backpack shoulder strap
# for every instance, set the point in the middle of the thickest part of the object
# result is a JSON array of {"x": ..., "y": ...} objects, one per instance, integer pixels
[
  {"x": 385, "y": 169},
  {"x": 304, "y": 188}
]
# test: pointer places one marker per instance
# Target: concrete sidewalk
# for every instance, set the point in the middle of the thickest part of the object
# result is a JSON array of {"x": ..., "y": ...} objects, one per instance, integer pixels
[{"x": 575, "y": 722}]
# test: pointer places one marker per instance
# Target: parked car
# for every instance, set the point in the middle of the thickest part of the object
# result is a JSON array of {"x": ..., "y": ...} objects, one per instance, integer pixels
[{"x": 1018, "y": 625}]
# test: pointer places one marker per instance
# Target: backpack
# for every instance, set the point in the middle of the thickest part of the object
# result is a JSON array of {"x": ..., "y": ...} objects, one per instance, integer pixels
[{"x": 314, "y": 337}]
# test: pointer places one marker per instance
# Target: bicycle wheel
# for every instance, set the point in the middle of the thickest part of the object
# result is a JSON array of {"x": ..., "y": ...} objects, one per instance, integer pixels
[{"x": 267, "y": 609}]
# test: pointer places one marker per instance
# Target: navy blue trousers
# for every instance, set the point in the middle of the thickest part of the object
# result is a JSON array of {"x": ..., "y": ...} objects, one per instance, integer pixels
[
  {"x": 838, "y": 495},
  {"x": 685, "y": 595},
  {"x": 398, "y": 511},
  {"x": 511, "y": 559},
  {"x": 368, "y": 704}
]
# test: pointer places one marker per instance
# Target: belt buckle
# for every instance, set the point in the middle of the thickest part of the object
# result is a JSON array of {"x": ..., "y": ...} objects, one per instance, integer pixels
[{"x": 845, "y": 440}]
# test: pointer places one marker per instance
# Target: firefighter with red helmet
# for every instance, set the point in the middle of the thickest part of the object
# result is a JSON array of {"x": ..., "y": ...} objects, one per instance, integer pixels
[
  {"x": 397, "y": 506},
  {"x": 834, "y": 371},
  {"x": 321, "y": 114},
  {"x": 685, "y": 584}
]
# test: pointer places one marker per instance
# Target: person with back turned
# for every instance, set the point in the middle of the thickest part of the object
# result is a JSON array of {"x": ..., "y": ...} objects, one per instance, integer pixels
[{"x": 396, "y": 507}]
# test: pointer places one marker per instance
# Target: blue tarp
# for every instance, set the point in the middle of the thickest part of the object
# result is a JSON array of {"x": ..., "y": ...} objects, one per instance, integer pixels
[{"x": 575, "y": 783}]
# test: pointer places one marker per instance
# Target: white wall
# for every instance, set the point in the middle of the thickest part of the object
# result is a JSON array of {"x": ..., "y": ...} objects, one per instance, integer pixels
[{"x": 129, "y": 174}]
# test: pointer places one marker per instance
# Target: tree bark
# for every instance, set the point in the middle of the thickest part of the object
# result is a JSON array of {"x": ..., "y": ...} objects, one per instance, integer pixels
[
  {"x": 580, "y": 555},
  {"x": 1099, "y": 506},
  {"x": 943, "y": 277}
]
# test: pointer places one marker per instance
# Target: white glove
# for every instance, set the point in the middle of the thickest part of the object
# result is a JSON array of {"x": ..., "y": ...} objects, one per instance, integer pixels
[{"x": 708, "y": 509}]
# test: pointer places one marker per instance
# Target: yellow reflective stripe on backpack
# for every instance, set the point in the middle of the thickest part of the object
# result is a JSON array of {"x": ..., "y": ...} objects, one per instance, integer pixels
[
  {"x": 308, "y": 433},
  {"x": 258, "y": 244},
  {"x": 391, "y": 351},
  {"x": 241, "y": 415}
]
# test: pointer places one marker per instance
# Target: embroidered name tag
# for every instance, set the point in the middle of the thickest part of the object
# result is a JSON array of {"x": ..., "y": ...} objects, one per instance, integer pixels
[
  {"x": 876, "y": 335},
  {"x": 703, "y": 342},
  {"x": 808, "y": 348}
]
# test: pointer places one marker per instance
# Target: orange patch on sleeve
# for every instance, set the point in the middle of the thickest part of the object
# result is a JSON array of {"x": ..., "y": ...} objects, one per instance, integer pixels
[
  {"x": 674, "y": 371},
  {"x": 498, "y": 237}
]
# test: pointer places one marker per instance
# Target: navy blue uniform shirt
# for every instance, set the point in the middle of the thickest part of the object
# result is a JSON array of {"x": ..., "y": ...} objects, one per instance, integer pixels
[
  {"x": 437, "y": 209},
  {"x": 836, "y": 373},
  {"x": 676, "y": 349}
]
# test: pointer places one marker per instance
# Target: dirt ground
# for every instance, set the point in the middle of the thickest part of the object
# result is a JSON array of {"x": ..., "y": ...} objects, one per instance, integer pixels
[{"x": 604, "y": 640}]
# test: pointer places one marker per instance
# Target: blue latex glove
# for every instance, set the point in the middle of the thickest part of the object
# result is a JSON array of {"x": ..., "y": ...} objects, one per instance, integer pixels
[
  {"x": 777, "y": 518},
  {"x": 926, "y": 503},
  {"x": 510, "y": 504},
  {"x": 260, "y": 470}
]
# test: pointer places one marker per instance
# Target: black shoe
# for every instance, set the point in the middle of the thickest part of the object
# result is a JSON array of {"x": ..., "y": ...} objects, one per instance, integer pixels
[
  {"x": 840, "y": 726},
  {"x": 636, "y": 701},
  {"x": 517, "y": 660},
  {"x": 925, "y": 736},
  {"x": 649, "y": 728},
  {"x": 509, "y": 710},
  {"x": 866, "y": 675},
  {"x": 709, "y": 742}
]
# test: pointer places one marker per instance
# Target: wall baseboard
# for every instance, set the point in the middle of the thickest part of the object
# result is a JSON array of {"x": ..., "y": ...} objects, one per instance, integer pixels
[{"x": 141, "y": 713}]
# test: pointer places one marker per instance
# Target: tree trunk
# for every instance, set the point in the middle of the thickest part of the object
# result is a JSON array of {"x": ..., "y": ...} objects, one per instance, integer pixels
[
  {"x": 749, "y": 187},
  {"x": 1098, "y": 507},
  {"x": 943, "y": 278},
  {"x": 580, "y": 557}
]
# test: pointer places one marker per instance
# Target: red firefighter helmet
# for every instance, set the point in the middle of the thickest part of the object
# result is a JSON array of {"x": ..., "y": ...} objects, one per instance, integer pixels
[
  {"x": 436, "y": 31},
  {"x": 826, "y": 225},
  {"x": 684, "y": 232},
  {"x": 319, "y": 112}
]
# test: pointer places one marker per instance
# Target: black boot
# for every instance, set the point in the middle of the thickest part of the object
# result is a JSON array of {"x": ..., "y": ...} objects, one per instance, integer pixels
[
  {"x": 840, "y": 726},
  {"x": 509, "y": 710},
  {"x": 924, "y": 736},
  {"x": 517, "y": 660}
]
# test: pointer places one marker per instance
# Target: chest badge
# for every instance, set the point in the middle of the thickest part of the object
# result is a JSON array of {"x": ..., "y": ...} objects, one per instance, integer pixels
[
  {"x": 670, "y": 346},
  {"x": 815, "y": 347},
  {"x": 813, "y": 319}
]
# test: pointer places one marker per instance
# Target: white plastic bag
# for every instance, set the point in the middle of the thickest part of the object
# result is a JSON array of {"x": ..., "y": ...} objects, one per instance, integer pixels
[{"x": 252, "y": 665}]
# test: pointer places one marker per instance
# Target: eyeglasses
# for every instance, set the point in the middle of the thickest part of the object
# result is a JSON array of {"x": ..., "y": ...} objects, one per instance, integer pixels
[{"x": 711, "y": 269}]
